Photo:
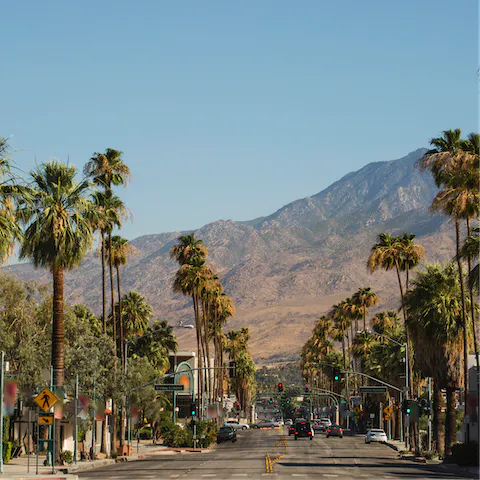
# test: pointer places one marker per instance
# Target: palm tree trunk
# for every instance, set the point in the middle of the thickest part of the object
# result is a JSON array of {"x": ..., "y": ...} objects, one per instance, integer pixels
[
  {"x": 343, "y": 350},
  {"x": 199, "y": 353},
  {"x": 438, "y": 433},
  {"x": 58, "y": 346},
  {"x": 464, "y": 313},
  {"x": 103, "y": 443},
  {"x": 450, "y": 421},
  {"x": 104, "y": 283},
  {"x": 472, "y": 311},
  {"x": 114, "y": 325},
  {"x": 122, "y": 357},
  {"x": 364, "y": 318}
]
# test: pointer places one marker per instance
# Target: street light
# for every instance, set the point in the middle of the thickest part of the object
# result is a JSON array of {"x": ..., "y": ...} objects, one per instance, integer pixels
[{"x": 407, "y": 379}]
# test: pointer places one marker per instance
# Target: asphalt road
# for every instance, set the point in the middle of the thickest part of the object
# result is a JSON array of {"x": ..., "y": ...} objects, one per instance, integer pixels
[{"x": 320, "y": 458}]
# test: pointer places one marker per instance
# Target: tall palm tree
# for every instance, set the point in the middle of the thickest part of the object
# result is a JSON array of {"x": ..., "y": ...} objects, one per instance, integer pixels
[
  {"x": 456, "y": 171},
  {"x": 9, "y": 188},
  {"x": 434, "y": 319},
  {"x": 411, "y": 253},
  {"x": 108, "y": 213},
  {"x": 121, "y": 250},
  {"x": 365, "y": 298},
  {"x": 191, "y": 254},
  {"x": 342, "y": 323},
  {"x": 58, "y": 235},
  {"x": 106, "y": 170},
  {"x": 384, "y": 321}
]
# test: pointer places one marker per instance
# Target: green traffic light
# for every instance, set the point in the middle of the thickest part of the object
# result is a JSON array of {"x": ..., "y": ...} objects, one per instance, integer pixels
[
  {"x": 409, "y": 410},
  {"x": 336, "y": 378}
]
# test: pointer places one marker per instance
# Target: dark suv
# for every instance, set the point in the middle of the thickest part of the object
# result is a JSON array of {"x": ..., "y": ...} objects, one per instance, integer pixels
[
  {"x": 225, "y": 434},
  {"x": 303, "y": 429}
]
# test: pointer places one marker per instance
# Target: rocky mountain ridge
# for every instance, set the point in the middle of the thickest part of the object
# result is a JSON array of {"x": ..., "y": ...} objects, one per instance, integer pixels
[{"x": 286, "y": 269}]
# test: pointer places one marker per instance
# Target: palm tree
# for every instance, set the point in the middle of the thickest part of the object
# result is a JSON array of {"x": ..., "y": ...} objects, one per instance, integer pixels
[
  {"x": 191, "y": 254},
  {"x": 364, "y": 298},
  {"x": 411, "y": 253},
  {"x": 58, "y": 235},
  {"x": 121, "y": 249},
  {"x": 136, "y": 313},
  {"x": 107, "y": 170},
  {"x": 434, "y": 319},
  {"x": 457, "y": 172},
  {"x": 188, "y": 249},
  {"x": 384, "y": 321},
  {"x": 342, "y": 323},
  {"x": 9, "y": 188}
]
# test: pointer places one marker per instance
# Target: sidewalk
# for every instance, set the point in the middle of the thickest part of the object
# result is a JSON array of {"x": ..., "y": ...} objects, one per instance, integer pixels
[
  {"x": 17, "y": 468},
  {"x": 400, "y": 446}
]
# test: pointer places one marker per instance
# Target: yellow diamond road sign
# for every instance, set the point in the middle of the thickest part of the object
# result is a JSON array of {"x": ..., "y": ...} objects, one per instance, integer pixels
[
  {"x": 45, "y": 419},
  {"x": 388, "y": 410},
  {"x": 46, "y": 399}
]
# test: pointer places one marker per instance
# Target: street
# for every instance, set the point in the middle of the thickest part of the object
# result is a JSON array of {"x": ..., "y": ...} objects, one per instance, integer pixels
[{"x": 346, "y": 458}]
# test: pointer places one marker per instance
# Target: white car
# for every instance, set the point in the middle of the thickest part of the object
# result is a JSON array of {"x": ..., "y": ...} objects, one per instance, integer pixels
[
  {"x": 375, "y": 435},
  {"x": 236, "y": 425},
  {"x": 326, "y": 422}
]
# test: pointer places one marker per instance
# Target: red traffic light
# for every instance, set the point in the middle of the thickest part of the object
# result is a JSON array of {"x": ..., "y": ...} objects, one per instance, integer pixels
[{"x": 280, "y": 385}]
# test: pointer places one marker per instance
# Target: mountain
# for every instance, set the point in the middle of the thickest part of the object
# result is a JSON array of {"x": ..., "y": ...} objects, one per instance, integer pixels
[{"x": 286, "y": 269}]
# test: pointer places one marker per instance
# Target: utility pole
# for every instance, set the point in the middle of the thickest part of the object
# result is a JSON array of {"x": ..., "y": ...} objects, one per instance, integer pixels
[{"x": 429, "y": 399}]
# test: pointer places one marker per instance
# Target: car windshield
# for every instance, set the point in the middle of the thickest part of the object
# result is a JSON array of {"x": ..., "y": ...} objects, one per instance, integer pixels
[{"x": 376, "y": 430}]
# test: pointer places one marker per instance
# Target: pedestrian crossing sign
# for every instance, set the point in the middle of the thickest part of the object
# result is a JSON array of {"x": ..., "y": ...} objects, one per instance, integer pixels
[{"x": 46, "y": 399}]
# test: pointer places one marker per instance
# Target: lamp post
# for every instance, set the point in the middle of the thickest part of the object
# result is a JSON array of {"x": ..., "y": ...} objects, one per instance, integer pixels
[{"x": 407, "y": 379}]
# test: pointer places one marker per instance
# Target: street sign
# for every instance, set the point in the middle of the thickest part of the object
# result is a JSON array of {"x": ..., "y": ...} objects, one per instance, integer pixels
[
  {"x": 169, "y": 387},
  {"x": 372, "y": 415},
  {"x": 45, "y": 419},
  {"x": 387, "y": 417},
  {"x": 373, "y": 389},
  {"x": 388, "y": 410},
  {"x": 46, "y": 399}
]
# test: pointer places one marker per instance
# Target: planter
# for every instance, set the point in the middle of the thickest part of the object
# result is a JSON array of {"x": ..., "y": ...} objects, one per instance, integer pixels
[{"x": 126, "y": 450}]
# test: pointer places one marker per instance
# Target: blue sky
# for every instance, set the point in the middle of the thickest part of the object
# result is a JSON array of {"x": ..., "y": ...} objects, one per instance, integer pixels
[{"x": 230, "y": 110}]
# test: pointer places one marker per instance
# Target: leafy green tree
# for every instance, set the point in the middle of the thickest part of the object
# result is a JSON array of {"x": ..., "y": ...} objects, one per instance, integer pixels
[{"x": 58, "y": 235}]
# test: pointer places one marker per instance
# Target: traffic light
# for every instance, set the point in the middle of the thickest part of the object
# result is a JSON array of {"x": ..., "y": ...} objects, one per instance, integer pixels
[
  {"x": 423, "y": 407},
  {"x": 307, "y": 388},
  {"x": 411, "y": 407},
  {"x": 271, "y": 400},
  {"x": 194, "y": 409},
  {"x": 280, "y": 387},
  {"x": 336, "y": 375}
]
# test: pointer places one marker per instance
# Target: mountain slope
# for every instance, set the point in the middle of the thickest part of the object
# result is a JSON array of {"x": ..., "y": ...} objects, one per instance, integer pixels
[{"x": 286, "y": 269}]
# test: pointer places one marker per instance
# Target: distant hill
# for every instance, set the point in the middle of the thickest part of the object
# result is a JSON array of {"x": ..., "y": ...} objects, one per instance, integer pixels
[{"x": 286, "y": 269}]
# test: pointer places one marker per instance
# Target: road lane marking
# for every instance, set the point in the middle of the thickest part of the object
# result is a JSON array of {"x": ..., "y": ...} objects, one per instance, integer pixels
[
  {"x": 239, "y": 474},
  {"x": 299, "y": 474},
  {"x": 209, "y": 475},
  {"x": 329, "y": 475}
]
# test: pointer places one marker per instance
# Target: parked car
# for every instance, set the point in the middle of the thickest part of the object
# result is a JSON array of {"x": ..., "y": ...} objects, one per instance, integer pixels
[
  {"x": 335, "y": 431},
  {"x": 236, "y": 425},
  {"x": 303, "y": 429},
  {"x": 226, "y": 433},
  {"x": 375, "y": 435}
]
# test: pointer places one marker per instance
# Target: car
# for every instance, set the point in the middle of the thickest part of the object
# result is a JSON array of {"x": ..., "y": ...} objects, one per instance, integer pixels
[
  {"x": 226, "y": 434},
  {"x": 375, "y": 435},
  {"x": 288, "y": 422},
  {"x": 265, "y": 424},
  {"x": 291, "y": 430},
  {"x": 303, "y": 429},
  {"x": 236, "y": 425},
  {"x": 335, "y": 431},
  {"x": 326, "y": 422},
  {"x": 317, "y": 426}
]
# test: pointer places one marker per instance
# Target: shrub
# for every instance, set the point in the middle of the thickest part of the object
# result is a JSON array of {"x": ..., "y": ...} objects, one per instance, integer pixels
[
  {"x": 145, "y": 434},
  {"x": 66, "y": 457},
  {"x": 7, "y": 451},
  {"x": 113, "y": 454},
  {"x": 464, "y": 454},
  {"x": 428, "y": 454}
]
